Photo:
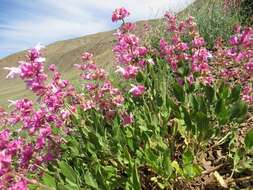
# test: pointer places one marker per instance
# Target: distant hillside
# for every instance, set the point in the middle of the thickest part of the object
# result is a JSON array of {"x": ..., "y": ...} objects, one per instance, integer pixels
[{"x": 64, "y": 54}]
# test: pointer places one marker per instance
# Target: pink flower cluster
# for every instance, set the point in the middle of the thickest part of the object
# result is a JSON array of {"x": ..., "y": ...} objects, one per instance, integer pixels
[
  {"x": 128, "y": 51},
  {"x": 179, "y": 51},
  {"x": 137, "y": 90},
  {"x": 130, "y": 54},
  {"x": 235, "y": 63},
  {"x": 10, "y": 150},
  {"x": 31, "y": 71},
  {"x": 42, "y": 145},
  {"x": 101, "y": 95}
]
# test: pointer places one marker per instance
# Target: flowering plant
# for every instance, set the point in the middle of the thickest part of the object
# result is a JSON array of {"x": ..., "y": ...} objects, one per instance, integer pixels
[{"x": 181, "y": 101}]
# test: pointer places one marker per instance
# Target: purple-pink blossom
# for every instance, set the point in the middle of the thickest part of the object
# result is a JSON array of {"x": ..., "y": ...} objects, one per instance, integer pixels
[
  {"x": 119, "y": 14},
  {"x": 137, "y": 90}
]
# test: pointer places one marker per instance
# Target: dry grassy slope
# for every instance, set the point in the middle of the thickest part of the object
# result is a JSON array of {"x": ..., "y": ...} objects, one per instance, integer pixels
[{"x": 64, "y": 54}]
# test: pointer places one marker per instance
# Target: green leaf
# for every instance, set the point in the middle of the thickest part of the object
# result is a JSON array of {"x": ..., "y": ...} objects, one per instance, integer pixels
[
  {"x": 235, "y": 93},
  {"x": 65, "y": 187},
  {"x": 176, "y": 166},
  {"x": 179, "y": 92},
  {"x": 140, "y": 77},
  {"x": 238, "y": 110},
  {"x": 187, "y": 157},
  {"x": 136, "y": 180},
  {"x": 192, "y": 170},
  {"x": 194, "y": 103},
  {"x": 159, "y": 100},
  {"x": 249, "y": 139},
  {"x": 49, "y": 180},
  {"x": 90, "y": 181},
  {"x": 204, "y": 130},
  {"x": 68, "y": 171},
  {"x": 166, "y": 163},
  {"x": 209, "y": 93},
  {"x": 187, "y": 119},
  {"x": 223, "y": 91},
  {"x": 34, "y": 187},
  {"x": 171, "y": 104},
  {"x": 221, "y": 111},
  {"x": 183, "y": 70},
  {"x": 202, "y": 104}
]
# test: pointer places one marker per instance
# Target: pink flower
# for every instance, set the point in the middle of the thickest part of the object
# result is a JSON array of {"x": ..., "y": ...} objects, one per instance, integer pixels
[
  {"x": 137, "y": 90},
  {"x": 90, "y": 86},
  {"x": 249, "y": 67},
  {"x": 141, "y": 51},
  {"x": 171, "y": 22},
  {"x": 182, "y": 46},
  {"x": 128, "y": 72},
  {"x": 206, "y": 80},
  {"x": 86, "y": 56},
  {"x": 127, "y": 119},
  {"x": 127, "y": 27},
  {"x": 20, "y": 185},
  {"x": 119, "y": 14},
  {"x": 234, "y": 40},
  {"x": 198, "y": 42},
  {"x": 118, "y": 100},
  {"x": 4, "y": 138},
  {"x": 190, "y": 79},
  {"x": 247, "y": 94},
  {"x": 88, "y": 105},
  {"x": 52, "y": 67},
  {"x": 65, "y": 114}
]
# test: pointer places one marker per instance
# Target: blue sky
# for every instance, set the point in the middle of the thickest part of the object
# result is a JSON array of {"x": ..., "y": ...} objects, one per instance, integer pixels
[{"x": 24, "y": 23}]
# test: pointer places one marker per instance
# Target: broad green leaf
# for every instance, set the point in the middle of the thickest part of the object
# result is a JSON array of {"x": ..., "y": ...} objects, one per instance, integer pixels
[
  {"x": 223, "y": 91},
  {"x": 49, "y": 180},
  {"x": 221, "y": 111},
  {"x": 68, "y": 171},
  {"x": 35, "y": 187},
  {"x": 204, "y": 130},
  {"x": 194, "y": 103},
  {"x": 176, "y": 166},
  {"x": 178, "y": 92},
  {"x": 140, "y": 77},
  {"x": 238, "y": 110},
  {"x": 64, "y": 187},
  {"x": 166, "y": 162},
  {"x": 90, "y": 181},
  {"x": 235, "y": 93},
  {"x": 209, "y": 93},
  {"x": 249, "y": 139},
  {"x": 187, "y": 157},
  {"x": 187, "y": 119},
  {"x": 191, "y": 170}
]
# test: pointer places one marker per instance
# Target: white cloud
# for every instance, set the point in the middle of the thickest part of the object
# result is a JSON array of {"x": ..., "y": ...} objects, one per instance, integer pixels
[{"x": 52, "y": 20}]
